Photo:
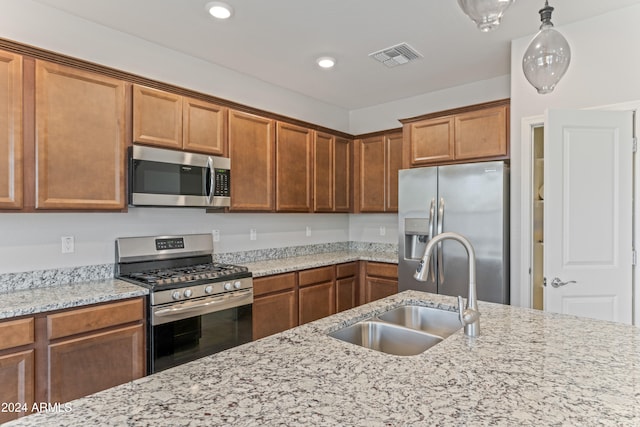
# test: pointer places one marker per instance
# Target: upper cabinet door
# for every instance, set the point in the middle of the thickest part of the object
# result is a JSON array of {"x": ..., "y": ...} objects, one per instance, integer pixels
[
  {"x": 293, "y": 168},
  {"x": 342, "y": 175},
  {"x": 204, "y": 127},
  {"x": 80, "y": 139},
  {"x": 157, "y": 117},
  {"x": 251, "y": 150},
  {"x": 11, "y": 187},
  {"x": 481, "y": 134},
  {"x": 323, "y": 172},
  {"x": 431, "y": 141},
  {"x": 393, "y": 147},
  {"x": 372, "y": 174}
]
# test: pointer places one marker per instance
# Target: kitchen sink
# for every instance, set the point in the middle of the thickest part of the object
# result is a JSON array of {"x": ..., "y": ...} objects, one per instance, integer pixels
[
  {"x": 387, "y": 338},
  {"x": 403, "y": 331},
  {"x": 428, "y": 319}
]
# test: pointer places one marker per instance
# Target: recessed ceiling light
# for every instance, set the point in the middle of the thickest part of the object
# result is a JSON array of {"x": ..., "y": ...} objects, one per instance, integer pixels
[
  {"x": 219, "y": 9},
  {"x": 326, "y": 62}
]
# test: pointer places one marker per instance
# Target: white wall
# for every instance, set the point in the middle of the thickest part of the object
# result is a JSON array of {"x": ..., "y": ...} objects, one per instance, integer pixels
[
  {"x": 386, "y": 116},
  {"x": 605, "y": 69},
  {"x": 32, "y": 241},
  {"x": 32, "y": 23},
  {"x": 379, "y": 228}
]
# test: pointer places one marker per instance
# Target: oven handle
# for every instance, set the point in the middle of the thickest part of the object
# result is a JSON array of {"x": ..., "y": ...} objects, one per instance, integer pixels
[{"x": 199, "y": 305}]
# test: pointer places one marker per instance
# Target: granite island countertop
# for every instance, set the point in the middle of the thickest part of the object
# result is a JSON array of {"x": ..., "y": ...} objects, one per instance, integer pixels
[{"x": 527, "y": 368}]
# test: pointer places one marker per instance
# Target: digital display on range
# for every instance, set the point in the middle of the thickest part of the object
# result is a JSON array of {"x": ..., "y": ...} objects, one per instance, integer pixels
[{"x": 172, "y": 243}]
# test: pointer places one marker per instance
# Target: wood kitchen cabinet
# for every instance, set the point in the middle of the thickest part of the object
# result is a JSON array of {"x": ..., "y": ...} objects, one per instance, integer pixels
[
  {"x": 379, "y": 157},
  {"x": 381, "y": 280},
  {"x": 275, "y": 304},
  {"x": 92, "y": 349},
  {"x": 294, "y": 168},
  {"x": 252, "y": 155},
  {"x": 346, "y": 286},
  {"x": 80, "y": 139},
  {"x": 331, "y": 173},
  {"x": 168, "y": 120},
  {"x": 17, "y": 368},
  {"x": 472, "y": 133},
  {"x": 316, "y": 293},
  {"x": 11, "y": 87}
]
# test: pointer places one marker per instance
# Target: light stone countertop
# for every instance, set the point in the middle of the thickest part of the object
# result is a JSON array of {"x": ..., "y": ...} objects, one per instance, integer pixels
[
  {"x": 34, "y": 300},
  {"x": 37, "y": 300},
  {"x": 528, "y": 368},
  {"x": 284, "y": 265}
]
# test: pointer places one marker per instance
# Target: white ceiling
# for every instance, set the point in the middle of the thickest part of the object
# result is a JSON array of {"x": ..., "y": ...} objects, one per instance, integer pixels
[{"x": 278, "y": 40}]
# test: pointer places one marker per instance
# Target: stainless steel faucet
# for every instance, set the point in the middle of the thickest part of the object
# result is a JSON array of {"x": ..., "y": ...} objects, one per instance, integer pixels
[{"x": 469, "y": 317}]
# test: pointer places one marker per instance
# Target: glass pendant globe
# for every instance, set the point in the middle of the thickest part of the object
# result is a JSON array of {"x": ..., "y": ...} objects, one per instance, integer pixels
[
  {"x": 485, "y": 13},
  {"x": 546, "y": 59}
]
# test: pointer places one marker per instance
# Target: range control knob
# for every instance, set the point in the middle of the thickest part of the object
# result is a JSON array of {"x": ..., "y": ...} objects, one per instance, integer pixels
[
  {"x": 175, "y": 295},
  {"x": 188, "y": 293},
  {"x": 237, "y": 284},
  {"x": 208, "y": 289},
  {"x": 227, "y": 286}
]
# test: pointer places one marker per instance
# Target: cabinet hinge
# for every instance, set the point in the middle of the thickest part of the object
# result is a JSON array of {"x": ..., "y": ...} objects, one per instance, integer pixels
[
  {"x": 635, "y": 144},
  {"x": 634, "y": 257}
]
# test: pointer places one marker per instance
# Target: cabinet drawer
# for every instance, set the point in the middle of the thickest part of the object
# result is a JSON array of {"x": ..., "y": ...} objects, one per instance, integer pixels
[
  {"x": 269, "y": 284},
  {"x": 315, "y": 275},
  {"x": 94, "y": 318},
  {"x": 380, "y": 269},
  {"x": 15, "y": 333},
  {"x": 346, "y": 270}
]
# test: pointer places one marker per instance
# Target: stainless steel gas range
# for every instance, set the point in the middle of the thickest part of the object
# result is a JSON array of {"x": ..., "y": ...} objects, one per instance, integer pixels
[{"x": 196, "y": 307}]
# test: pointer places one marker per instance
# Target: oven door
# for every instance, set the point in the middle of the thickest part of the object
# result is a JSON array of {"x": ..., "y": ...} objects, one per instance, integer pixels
[{"x": 182, "y": 332}]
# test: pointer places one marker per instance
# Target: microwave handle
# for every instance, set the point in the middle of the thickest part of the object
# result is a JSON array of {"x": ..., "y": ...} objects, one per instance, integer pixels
[{"x": 212, "y": 180}]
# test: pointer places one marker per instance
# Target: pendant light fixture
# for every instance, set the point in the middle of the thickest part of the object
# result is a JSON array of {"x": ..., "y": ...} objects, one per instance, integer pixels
[
  {"x": 548, "y": 55},
  {"x": 485, "y": 13}
]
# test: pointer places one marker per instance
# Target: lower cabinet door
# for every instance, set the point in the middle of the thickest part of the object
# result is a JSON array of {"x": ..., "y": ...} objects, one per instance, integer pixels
[
  {"x": 346, "y": 293},
  {"x": 317, "y": 301},
  {"x": 85, "y": 365},
  {"x": 376, "y": 288},
  {"x": 16, "y": 384},
  {"x": 274, "y": 313}
]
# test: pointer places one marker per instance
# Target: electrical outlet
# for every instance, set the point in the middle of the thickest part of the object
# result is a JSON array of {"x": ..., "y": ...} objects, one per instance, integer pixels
[
  {"x": 383, "y": 230},
  {"x": 216, "y": 235},
  {"x": 308, "y": 231},
  {"x": 68, "y": 244},
  {"x": 253, "y": 235}
]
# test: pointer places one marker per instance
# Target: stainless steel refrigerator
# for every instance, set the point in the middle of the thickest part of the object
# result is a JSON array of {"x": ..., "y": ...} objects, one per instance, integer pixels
[{"x": 470, "y": 199}]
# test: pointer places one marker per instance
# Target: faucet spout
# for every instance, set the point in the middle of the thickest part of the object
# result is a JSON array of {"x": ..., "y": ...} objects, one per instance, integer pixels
[{"x": 469, "y": 316}]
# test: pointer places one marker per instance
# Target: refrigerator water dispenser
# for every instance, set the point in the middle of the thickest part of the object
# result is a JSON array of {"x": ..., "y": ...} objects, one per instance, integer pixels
[{"x": 416, "y": 235}]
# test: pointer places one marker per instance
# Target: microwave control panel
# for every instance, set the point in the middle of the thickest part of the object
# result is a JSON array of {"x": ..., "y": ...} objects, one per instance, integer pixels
[{"x": 222, "y": 182}]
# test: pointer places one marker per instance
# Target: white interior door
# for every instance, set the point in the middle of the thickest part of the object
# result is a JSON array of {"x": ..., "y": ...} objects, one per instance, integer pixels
[{"x": 588, "y": 178}]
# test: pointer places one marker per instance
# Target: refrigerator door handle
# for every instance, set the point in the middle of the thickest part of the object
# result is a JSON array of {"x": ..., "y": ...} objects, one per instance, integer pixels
[
  {"x": 432, "y": 219},
  {"x": 440, "y": 251}
]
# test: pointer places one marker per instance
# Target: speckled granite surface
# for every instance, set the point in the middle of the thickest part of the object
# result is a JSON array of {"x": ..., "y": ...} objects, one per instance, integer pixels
[
  {"x": 10, "y": 282},
  {"x": 37, "y": 300},
  {"x": 46, "y": 290},
  {"x": 528, "y": 368},
  {"x": 283, "y": 265}
]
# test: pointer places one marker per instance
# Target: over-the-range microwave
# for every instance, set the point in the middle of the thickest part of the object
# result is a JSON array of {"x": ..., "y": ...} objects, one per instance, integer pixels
[{"x": 160, "y": 177}]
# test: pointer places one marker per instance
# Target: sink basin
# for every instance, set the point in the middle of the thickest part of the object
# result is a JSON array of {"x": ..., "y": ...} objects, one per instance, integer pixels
[
  {"x": 387, "y": 338},
  {"x": 404, "y": 331},
  {"x": 432, "y": 320}
]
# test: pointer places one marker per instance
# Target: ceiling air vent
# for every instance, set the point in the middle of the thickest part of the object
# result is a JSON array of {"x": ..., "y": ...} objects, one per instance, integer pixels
[{"x": 396, "y": 55}]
